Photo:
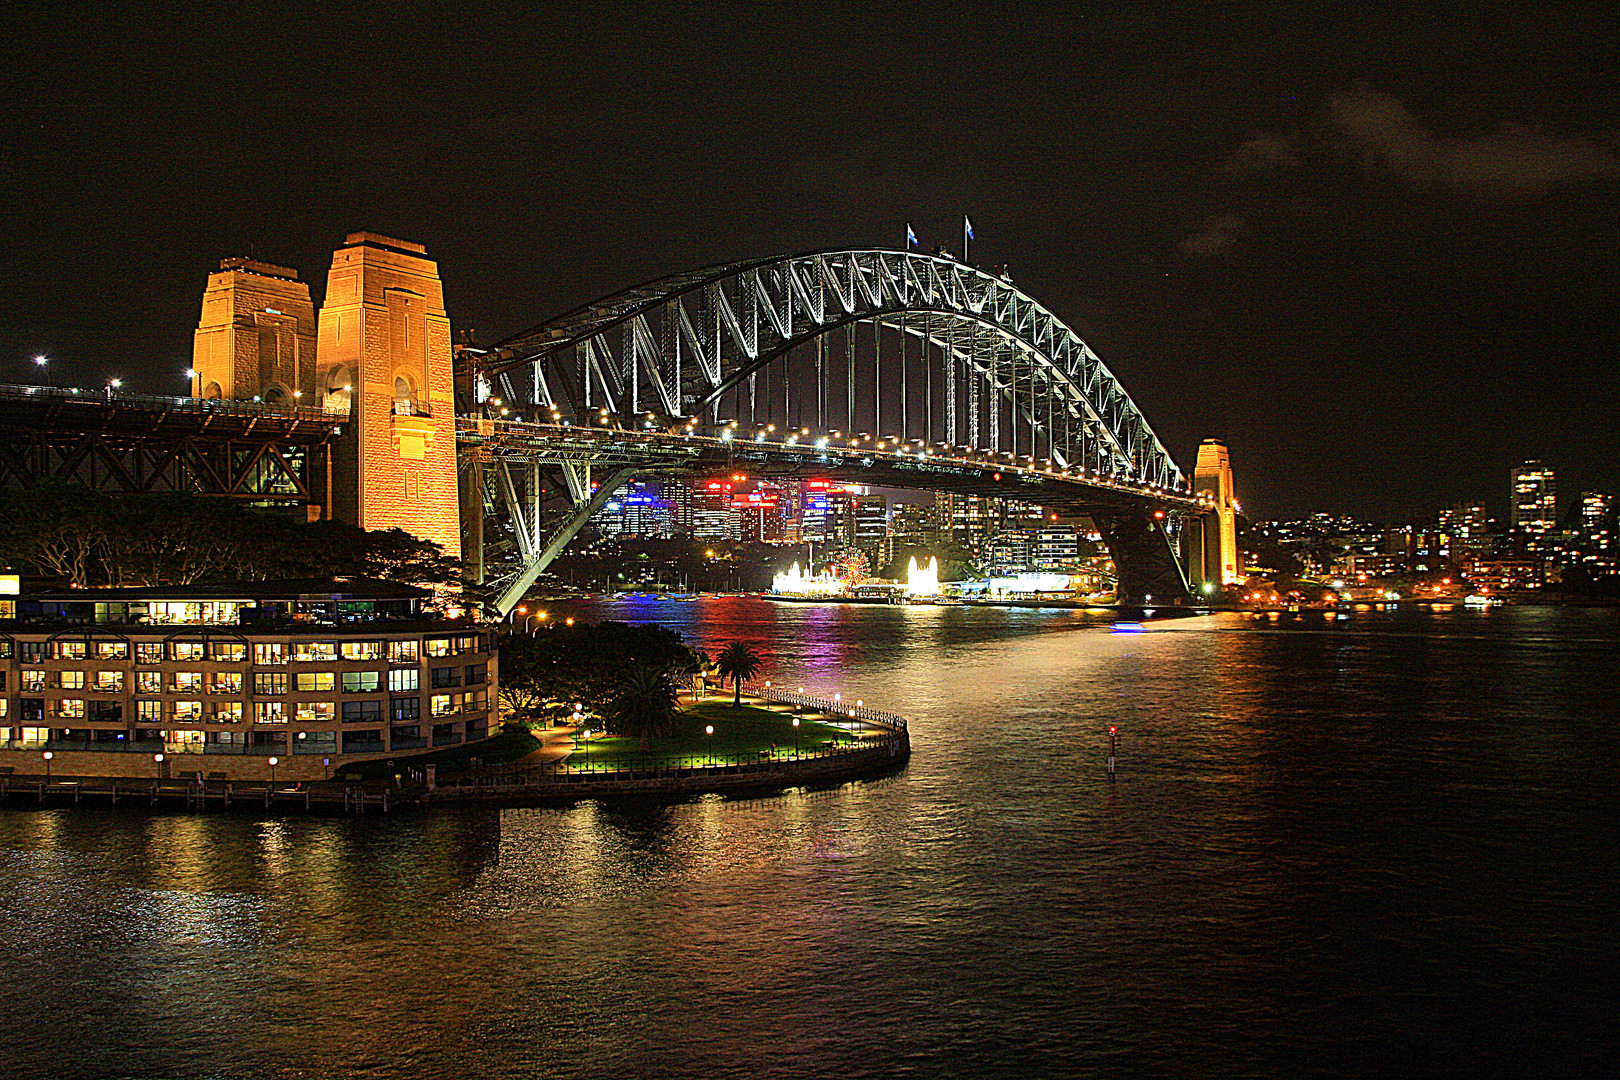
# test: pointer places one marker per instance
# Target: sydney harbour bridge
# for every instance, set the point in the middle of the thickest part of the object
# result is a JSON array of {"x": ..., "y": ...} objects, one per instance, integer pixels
[
  {"x": 876, "y": 367},
  {"x": 886, "y": 368}
]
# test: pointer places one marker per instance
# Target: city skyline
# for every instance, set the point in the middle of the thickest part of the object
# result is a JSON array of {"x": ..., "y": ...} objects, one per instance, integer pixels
[{"x": 1272, "y": 228}]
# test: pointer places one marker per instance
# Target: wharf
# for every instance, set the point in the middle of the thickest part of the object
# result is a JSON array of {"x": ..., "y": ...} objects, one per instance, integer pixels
[{"x": 349, "y": 797}]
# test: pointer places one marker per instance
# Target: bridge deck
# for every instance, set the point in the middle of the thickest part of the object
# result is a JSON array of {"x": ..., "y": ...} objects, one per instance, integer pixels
[{"x": 787, "y": 459}]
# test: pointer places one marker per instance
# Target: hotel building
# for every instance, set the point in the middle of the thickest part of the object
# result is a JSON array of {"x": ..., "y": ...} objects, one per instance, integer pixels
[{"x": 318, "y": 674}]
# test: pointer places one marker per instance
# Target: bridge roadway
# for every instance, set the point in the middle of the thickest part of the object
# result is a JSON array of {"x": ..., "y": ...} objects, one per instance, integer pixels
[{"x": 857, "y": 461}]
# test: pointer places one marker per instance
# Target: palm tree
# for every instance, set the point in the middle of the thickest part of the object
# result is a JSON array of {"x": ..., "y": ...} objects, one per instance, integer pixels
[
  {"x": 738, "y": 661},
  {"x": 643, "y": 704}
]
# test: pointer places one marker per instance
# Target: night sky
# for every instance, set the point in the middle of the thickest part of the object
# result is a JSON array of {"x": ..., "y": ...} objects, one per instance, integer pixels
[{"x": 1376, "y": 253}]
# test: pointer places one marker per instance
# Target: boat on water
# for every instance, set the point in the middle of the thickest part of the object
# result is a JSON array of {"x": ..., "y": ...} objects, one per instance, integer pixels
[{"x": 1480, "y": 601}]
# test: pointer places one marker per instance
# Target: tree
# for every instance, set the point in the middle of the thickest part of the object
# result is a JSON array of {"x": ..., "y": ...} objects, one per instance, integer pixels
[
  {"x": 644, "y": 704},
  {"x": 738, "y": 661}
]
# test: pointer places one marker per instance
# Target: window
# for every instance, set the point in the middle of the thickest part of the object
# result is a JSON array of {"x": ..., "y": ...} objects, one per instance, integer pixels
[
  {"x": 269, "y": 653},
  {"x": 5, "y": 707},
  {"x": 405, "y": 708},
  {"x": 404, "y": 652},
  {"x": 226, "y": 682},
  {"x": 112, "y": 650},
  {"x": 70, "y": 680},
  {"x": 148, "y": 652},
  {"x": 188, "y": 712},
  {"x": 315, "y": 712},
  {"x": 306, "y": 651},
  {"x": 445, "y": 704},
  {"x": 438, "y": 646},
  {"x": 187, "y": 682},
  {"x": 186, "y": 650},
  {"x": 467, "y": 643},
  {"x": 31, "y": 708},
  {"x": 269, "y": 712},
  {"x": 361, "y": 650},
  {"x": 108, "y": 682},
  {"x": 362, "y": 682},
  {"x": 477, "y": 702},
  {"x": 404, "y": 679},
  {"x": 446, "y": 676},
  {"x": 316, "y": 681},
  {"x": 362, "y": 712},
  {"x": 269, "y": 682},
  {"x": 32, "y": 679},
  {"x": 70, "y": 707},
  {"x": 70, "y": 650},
  {"x": 31, "y": 652},
  {"x": 477, "y": 674},
  {"x": 227, "y": 712},
  {"x": 149, "y": 682},
  {"x": 230, "y": 652},
  {"x": 5, "y": 650},
  {"x": 106, "y": 712}
]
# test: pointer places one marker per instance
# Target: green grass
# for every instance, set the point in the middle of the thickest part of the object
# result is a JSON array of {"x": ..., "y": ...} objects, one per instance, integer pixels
[
  {"x": 739, "y": 736},
  {"x": 512, "y": 743}
]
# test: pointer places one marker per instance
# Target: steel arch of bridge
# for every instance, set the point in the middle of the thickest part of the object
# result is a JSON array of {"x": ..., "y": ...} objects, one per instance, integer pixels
[{"x": 1009, "y": 376}]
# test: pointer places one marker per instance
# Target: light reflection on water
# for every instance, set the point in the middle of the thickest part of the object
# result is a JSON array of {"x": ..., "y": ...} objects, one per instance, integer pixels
[{"x": 1371, "y": 846}]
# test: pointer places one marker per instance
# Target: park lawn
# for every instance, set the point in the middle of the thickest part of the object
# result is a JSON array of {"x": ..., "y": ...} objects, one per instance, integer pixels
[
  {"x": 512, "y": 743},
  {"x": 739, "y": 735}
]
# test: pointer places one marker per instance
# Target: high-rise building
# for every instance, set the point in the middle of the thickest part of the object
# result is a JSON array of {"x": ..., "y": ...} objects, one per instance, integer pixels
[
  {"x": 871, "y": 522},
  {"x": 913, "y": 524},
  {"x": 759, "y": 513},
  {"x": 1597, "y": 513},
  {"x": 1534, "y": 499},
  {"x": 1055, "y": 547},
  {"x": 969, "y": 519},
  {"x": 1463, "y": 521},
  {"x": 712, "y": 515}
]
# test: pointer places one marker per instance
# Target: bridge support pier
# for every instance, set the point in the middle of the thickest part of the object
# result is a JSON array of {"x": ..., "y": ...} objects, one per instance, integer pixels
[{"x": 1143, "y": 558}]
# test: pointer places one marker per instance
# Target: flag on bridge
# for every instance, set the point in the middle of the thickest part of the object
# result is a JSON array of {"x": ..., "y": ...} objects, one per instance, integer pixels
[
  {"x": 911, "y": 237},
  {"x": 967, "y": 226}
]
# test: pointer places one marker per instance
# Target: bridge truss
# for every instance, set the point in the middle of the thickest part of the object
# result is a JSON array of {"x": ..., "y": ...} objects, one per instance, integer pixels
[{"x": 890, "y": 354}]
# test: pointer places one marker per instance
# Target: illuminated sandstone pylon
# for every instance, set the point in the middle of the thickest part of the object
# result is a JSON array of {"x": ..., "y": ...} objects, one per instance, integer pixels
[
  {"x": 256, "y": 337},
  {"x": 384, "y": 363}
]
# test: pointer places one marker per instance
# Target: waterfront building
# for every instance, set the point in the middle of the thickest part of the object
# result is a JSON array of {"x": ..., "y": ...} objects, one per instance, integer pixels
[
  {"x": 319, "y": 674},
  {"x": 1054, "y": 547}
]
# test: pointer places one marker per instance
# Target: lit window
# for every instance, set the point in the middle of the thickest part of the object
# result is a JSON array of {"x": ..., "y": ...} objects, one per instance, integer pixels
[
  {"x": 362, "y": 682},
  {"x": 148, "y": 652},
  {"x": 187, "y": 682},
  {"x": 149, "y": 712},
  {"x": 269, "y": 712},
  {"x": 316, "y": 681},
  {"x": 403, "y": 652},
  {"x": 70, "y": 650},
  {"x": 186, "y": 650},
  {"x": 269, "y": 653},
  {"x": 361, "y": 650},
  {"x": 70, "y": 680},
  {"x": 71, "y": 708},
  {"x": 306, "y": 651}
]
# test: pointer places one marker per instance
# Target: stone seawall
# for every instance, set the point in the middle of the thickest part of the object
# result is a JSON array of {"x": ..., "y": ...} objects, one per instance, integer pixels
[{"x": 863, "y": 763}]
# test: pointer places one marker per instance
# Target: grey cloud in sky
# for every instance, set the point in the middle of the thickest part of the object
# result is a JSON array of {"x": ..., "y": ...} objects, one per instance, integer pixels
[{"x": 1513, "y": 162}]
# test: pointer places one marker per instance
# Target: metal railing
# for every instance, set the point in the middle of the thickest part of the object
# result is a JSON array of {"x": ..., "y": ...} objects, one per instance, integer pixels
[
  {"x": 200, "y": 406},
  {"x": 830, "y": 706}
]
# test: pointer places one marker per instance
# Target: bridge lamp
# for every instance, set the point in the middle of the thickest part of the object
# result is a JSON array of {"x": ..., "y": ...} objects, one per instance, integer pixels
[{"x": 821, "y": 443}]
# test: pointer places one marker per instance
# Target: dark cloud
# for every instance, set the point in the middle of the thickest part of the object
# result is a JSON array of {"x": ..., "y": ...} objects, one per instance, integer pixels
[
  {"x": 1516, "y": 161},
  {"x": 1219, "y": 235},
  {"x": 1263, "y": 157}
]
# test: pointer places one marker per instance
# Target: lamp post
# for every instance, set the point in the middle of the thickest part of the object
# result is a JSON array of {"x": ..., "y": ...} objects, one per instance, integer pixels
[
  {"x": 795, "y": 736},
  {"x": 708, "y": 730},
  {"x": 44, "y": 364},
  {"x": 157, "y": 759},
  {"x": 587, "y": 741},
  {"x": 47, "y": 755},
  {"x": 273, "y": 763},
  {"x": 113, "y": 384}
]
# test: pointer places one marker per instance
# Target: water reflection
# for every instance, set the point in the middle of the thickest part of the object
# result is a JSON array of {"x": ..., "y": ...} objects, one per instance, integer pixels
[{"x": 1385, "y": 842}]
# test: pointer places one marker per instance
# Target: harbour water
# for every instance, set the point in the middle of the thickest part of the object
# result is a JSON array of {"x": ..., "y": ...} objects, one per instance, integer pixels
[{"x": 1383, "y": 845}]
